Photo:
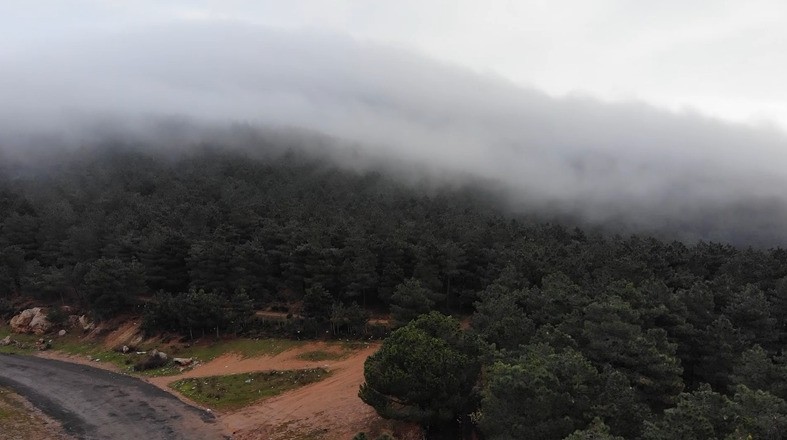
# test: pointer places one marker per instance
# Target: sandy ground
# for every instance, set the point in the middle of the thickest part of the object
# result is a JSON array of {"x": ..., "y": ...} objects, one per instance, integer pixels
[{"x": 97, "y": 404}]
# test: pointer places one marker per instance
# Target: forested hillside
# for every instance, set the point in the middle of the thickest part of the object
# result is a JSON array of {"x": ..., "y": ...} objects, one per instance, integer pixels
[{"x": 570, "y": 330}]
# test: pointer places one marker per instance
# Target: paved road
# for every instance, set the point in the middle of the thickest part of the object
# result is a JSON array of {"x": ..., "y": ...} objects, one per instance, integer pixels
[{"x": 98, "y": 404}]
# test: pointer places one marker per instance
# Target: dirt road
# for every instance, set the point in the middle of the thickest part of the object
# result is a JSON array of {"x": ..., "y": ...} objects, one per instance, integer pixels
[{"x": 96, "y": 404}]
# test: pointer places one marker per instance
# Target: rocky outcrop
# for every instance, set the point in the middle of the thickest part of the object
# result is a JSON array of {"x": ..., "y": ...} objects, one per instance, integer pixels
[{"x": 31, "y": 321}]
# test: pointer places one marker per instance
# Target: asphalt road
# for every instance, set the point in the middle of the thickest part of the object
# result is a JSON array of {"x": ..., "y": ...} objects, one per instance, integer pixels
[{"x": 98, "y": 404}]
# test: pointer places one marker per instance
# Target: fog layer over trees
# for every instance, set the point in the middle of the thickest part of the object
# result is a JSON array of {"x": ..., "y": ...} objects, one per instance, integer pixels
[{"x": 622, "y": 164}]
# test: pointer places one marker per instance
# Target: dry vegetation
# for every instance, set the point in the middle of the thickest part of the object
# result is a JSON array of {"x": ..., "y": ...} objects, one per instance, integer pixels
[{"x": 21, "y": 421}]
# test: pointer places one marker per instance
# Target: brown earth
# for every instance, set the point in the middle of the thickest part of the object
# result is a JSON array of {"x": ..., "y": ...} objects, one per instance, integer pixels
[{"x": 329, "y": 409}]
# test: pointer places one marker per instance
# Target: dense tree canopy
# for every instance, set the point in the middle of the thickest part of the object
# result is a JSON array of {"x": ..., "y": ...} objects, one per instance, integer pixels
[
  {"x": 425, "y": 373},
  {"x": 643, "y": 336}
]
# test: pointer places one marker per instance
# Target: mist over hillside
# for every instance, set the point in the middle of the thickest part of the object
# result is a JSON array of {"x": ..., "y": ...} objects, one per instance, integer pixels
[{"x": 627, "y": 167}]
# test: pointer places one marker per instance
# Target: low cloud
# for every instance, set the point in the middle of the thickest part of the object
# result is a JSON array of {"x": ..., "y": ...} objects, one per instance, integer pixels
[{"x": 624, "y": 164}]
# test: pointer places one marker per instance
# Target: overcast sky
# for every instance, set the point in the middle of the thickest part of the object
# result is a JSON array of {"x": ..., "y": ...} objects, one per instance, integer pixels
[
  {"x": 723, "y": 58},
  {"x": 656, "y": 115}
]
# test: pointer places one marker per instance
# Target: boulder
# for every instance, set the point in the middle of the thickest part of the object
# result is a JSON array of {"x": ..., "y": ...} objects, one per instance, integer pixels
[
  {"x": 159, "y": 354},
  {"x": 6, "y": 341},
  {"x": 155, "y": 359},
  {"x": 61, "y": 333},
  {"x": 125, "y": 349},
  {"x": 20, "y": 322},
  {"x": 86, "y": 324},
  {"x": 183, "y": 362},
  {"x": 30, "y": 321},
  {"x": 40, "y": 324}
]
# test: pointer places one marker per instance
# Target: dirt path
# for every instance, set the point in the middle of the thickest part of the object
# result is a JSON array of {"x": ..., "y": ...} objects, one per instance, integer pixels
[
  {"x": 94, "y": 403},
  {"x": 329, "y": 409}
]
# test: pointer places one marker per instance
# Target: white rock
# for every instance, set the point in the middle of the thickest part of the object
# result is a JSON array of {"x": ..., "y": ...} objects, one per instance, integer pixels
[
  {"x": 30, "y": 321},
  {"x": 183, "y": 361}
]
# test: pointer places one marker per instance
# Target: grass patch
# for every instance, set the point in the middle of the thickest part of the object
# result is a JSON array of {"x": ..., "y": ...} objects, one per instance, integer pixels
[
  {"x": 73, "y": 344},
  {"x": 9, "y": 407},
  {"x": 322, "y": 355},
  {"x": 291, "y": 431},
  {"x": 204, "y": 352},
  {"x": 244, "y": 347},
  {"x": 28, "y": 342},
  {"x": 238, "y": 390},
  {"x": 76, "y": 347},
  {"x": 18, "y": 420},
  {"x": 351, "y": 345}
]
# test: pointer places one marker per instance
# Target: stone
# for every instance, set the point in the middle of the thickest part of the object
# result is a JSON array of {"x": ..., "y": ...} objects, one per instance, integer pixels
[
  {"x": 61, "y": 333},
  {"x": 40, "y": 324},
  {"x": 30, "y": 321},
  {"x": 183, "y": 362},
  {"x": 20, "y": 322},
  {"x": 86, "y": 324},
  {"x": 6, "y": 341}
]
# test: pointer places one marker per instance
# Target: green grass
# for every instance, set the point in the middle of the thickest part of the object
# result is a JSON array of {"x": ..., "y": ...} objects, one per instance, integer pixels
[
  {"x": 351, "y": 345},
  {"x": 202, "y": 352},
  {"x": 76, "y": 347},
  {"x": 244, "y": 347},
  {"x": 322, "y": 355},
  {"x": 18, "y": 420},
  {"x": 239, "y": 390},
  {"x": 205, "y": 352},
  {"x": 8, "y": 407},
  {"x": 28, "y": 342}
]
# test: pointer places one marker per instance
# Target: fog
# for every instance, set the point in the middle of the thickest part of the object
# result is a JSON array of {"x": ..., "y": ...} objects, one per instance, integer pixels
[{"x": 627, "y": 166}]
